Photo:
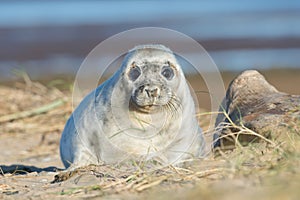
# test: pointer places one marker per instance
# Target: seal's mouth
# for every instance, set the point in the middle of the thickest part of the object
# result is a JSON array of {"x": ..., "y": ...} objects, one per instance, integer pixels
[
  {"x": 150, "y": 107},
  {"x": 173, "y": 106}
]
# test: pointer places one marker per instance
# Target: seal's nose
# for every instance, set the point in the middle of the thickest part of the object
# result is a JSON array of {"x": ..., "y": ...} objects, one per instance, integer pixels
[{"x": 151, "y": 91}]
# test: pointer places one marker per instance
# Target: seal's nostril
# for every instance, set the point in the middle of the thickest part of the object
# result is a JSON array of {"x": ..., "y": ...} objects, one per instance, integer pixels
[
  {"x": 141, "y": 88},
  {"x": 148, "y": 92}
]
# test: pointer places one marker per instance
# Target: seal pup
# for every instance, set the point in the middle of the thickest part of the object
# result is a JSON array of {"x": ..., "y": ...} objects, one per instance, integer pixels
[{"x": 144, "y": 112}]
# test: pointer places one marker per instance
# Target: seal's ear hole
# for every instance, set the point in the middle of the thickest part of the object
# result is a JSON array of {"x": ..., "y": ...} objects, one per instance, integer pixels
[
  {"x": 167, "y": 72},
  {"x": 134, "y": 72}
]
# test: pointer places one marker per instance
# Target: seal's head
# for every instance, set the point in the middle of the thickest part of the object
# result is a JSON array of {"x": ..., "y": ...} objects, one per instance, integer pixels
[{"x": 153, "y": 74}]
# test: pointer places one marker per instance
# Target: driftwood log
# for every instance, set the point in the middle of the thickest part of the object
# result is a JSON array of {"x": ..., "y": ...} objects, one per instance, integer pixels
[{"x": 251, "y": 103}]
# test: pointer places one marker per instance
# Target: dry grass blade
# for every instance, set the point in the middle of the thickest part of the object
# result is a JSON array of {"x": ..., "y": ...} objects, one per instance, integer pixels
[
  {"x": 154, "y": 183},
  {"x": 205, "y": 173},
  {"x": 29, "y": 113}
]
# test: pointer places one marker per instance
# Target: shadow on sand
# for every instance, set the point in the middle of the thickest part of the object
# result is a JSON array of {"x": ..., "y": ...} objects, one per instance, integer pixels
[{"x": 24, "y": 169}]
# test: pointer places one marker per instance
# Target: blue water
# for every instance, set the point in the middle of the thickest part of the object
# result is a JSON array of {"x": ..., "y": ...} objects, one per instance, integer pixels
[{"x": 205, "y": 19}]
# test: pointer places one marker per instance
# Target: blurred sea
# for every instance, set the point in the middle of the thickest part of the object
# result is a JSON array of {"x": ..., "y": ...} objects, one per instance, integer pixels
[{"x": 47, "y": 38}]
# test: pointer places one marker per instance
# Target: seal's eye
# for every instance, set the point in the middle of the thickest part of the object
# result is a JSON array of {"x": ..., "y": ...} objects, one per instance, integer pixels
[
  {"x": 134, "y": 73},
  {"x": 167, "y": 72}
]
